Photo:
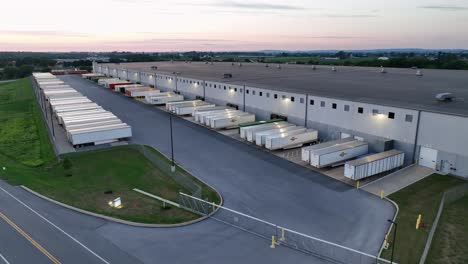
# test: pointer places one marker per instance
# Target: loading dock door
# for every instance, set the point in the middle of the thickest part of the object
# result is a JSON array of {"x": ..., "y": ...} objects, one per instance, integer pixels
[{"x": 428, "y": 157}]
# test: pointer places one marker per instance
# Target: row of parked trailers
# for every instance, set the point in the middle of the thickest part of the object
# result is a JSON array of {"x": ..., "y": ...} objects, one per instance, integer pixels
[
  {"x": 273, "y": 134},
  {"x": 84, "y": 121},
  {"x": 354, "y": 153},
  {"x": 277, "y": 135}
]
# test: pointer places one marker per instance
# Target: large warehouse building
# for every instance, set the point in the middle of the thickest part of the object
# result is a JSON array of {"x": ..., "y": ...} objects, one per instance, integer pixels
[{"x": 389, "y": 108}]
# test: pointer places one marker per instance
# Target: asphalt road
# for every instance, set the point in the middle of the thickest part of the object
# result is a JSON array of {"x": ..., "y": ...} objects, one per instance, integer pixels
[
  {"x": 253, "y": 181},
  {"x": 33, "y": 230}
]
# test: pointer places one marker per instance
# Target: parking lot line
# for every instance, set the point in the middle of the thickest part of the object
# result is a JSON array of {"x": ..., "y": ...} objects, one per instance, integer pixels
[{"x": 4, "y": 259}]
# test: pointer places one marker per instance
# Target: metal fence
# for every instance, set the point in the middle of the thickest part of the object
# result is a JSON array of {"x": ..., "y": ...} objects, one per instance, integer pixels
[
  {"x": 179, "y": 176},
  {"x": 448, "y": 197},
  {"x": 320, "y": 248}
]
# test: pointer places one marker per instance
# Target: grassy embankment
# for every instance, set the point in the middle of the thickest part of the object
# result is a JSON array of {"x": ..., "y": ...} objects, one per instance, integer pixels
[
  {"x": 423, "y": 198},
  {"x": 27, "y": 155}
]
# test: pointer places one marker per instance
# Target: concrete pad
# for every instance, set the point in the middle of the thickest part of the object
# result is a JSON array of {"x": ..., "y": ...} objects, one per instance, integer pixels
[{"x": 398, "y": 180}]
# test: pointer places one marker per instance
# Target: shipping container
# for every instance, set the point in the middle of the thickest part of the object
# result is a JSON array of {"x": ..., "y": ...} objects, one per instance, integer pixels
[
  {"x": 111, "y": 85},
  {"x": 77, "y": 109},
  {"x": 328, "y": 156},
  {"x": 66, "y": 124},
  {"x": 198, "y": 114},
  {"x": 251, "y": 133},
  {"x": 207, "y": 118},
  {"x": 187, "y": 110},
  {"x": 89, "y": 75},
  {"x": 70, "y": 96},
  {"x": 66, "y": 102},
  {"x": 260, "y": 136},
  {"x": 55, "y": 86},
  {"x": 260, "y": 125},
  {"x": 163, "y": 98},
  {"x": 87, "y": 116},
  {"x": 208, "y": 109},
  {"x": 99, "y": 135},
  {"x": 171, "y": 106},
  {"x": 305, "y": 151},
  {"x": 124, "y": 87},
  {"x": 374, "y": 164},
  {"x": 95, "y": 124},
  {"x": 291, "y": 140},
  {"x": 81, "y": 113},
  {"x": 188, "y": 107},
  {"x": 141, "y": 92},
  {"x": 231, "y": 121},
  {"x": 74, "y": 107},
  {"x": 103, "y": 81}
]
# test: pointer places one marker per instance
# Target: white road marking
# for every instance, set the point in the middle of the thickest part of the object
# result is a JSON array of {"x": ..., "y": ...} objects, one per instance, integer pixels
[
  {"x": 58, "y": 228},
  {"x": 4, "y": 259}
]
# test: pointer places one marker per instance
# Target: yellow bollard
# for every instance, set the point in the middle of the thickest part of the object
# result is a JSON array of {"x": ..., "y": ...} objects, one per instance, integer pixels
[
  {"x": 273, "y": 242},
  {"x": 357, "y": 185},
  {"x": 418, "y": 221},
  {"x": 382, "y": 194},
  {"x": 282, "y": 235}
]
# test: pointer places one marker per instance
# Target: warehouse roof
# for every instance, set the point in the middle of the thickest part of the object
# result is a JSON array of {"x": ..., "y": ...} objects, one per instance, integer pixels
[{"x": 396, "y": 87}]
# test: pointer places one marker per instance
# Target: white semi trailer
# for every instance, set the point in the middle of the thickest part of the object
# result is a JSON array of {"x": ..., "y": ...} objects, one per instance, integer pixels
[
  {"x": 260, "y": 137},
  {"x": 291, "y": 140},
  {"x": 328, "y": 156},
  {"x": 243, "y": 130},
  {"x": 163, "y": 98},
  {"x": 374, "y": 164},
  {"x": 99, "y": 135},
  {"x": 305, "y": 151},
  {"x": 232, "y": 121},
  {"x": 188, "y": 110}
]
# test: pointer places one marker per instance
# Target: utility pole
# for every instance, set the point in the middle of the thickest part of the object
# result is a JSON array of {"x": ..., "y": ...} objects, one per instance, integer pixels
[{"x": 172, "y": 144}]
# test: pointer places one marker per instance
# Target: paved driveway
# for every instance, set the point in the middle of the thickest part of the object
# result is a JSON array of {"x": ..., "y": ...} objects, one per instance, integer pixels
[{"x": 251, "y": 181}]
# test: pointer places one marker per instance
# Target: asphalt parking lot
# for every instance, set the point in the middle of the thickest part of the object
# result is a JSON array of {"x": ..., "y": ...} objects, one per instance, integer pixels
[{"x": 253, "y": 181}]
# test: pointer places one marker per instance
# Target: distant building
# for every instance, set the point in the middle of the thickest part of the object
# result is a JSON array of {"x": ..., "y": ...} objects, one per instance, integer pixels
[
  {"x": 383, "y": 58},
  {"x": 330, "y": 58}
]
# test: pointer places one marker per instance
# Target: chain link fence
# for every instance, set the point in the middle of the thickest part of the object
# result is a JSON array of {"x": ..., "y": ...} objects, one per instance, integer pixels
[
  {"x": 180, "y": 176},
  {"x": 448, "y": 197},
  {"x": 325, "y": 250}
]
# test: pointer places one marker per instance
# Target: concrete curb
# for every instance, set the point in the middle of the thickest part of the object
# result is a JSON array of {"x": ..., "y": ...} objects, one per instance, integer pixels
[
  {"x": 391, "y": 226},
  {"x": 116, "y": 220}
]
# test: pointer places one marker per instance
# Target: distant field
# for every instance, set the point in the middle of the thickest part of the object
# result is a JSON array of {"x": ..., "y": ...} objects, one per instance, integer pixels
[
  {"x": 83, "y": 179},
  {"x": 423, "y": 198}
]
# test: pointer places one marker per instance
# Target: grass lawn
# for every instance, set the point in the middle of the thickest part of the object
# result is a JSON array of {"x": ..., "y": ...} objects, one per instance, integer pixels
[
  {"x": 23, "y": 135},
  {"x": 451, "y": 238},
  {"x": 26, "y": 153},
  {"x": 423, "y": 198}
]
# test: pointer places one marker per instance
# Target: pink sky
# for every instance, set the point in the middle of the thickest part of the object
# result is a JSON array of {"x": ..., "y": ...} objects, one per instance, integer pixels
[{"x": 215, "y": 25}]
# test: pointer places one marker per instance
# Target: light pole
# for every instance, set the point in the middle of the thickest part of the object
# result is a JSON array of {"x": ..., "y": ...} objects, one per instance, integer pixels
[
  {"x": 394, "y": 238},
  {"x": 172, "y": 144}
]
